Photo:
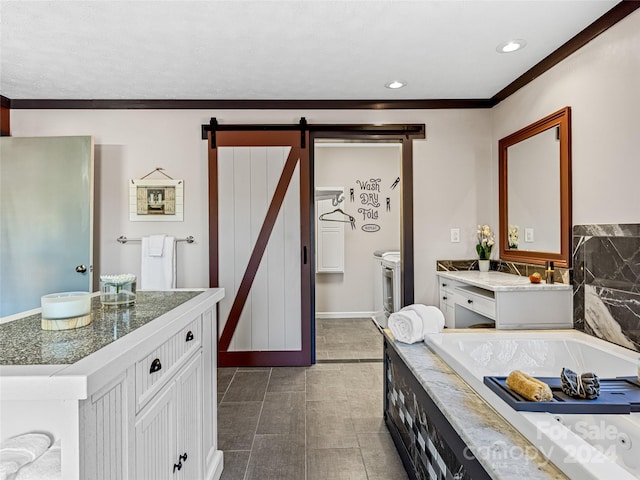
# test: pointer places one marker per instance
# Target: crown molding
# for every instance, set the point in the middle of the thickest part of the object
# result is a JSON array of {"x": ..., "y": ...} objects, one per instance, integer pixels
[
  {"x": 606, "y": 21},
  {"x": 151, "y": 104}
]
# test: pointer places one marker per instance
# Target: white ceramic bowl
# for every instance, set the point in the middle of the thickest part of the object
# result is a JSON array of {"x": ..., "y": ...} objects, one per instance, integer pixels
[{"x": 65, "y": 305}]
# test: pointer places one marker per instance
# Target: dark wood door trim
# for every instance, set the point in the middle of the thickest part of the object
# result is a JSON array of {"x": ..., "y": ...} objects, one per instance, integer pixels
[
  {"x": 385, "y": 133},
  {"x": 262, "y": 136}
]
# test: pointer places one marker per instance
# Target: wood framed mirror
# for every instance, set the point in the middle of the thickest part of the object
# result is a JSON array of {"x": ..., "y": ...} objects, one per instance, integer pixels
[{"x": 535, "y": 192}]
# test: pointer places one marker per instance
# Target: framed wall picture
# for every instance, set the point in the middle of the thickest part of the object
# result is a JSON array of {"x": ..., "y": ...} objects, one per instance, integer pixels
[{"x": 156, "y": 200}]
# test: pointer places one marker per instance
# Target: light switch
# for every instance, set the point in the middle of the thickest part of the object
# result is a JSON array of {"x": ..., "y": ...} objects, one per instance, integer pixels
[
  {"x": 528, "y": 234},
  {"x": 455, "y": 235}
]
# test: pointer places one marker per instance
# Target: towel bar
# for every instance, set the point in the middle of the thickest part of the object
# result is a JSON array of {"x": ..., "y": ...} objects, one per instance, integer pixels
[{"x": 122, "y": 239}]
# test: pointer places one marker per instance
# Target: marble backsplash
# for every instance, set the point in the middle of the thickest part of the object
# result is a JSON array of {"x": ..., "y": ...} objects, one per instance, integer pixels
[
  {"x": 561, "y": 275},
  {"x": 606, "y": 263}
]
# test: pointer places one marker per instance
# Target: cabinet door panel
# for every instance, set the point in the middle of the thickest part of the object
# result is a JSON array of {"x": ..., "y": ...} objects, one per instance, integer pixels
[
  {"x": 156, "y": 438},
  {"x": 189, "y": 416}
]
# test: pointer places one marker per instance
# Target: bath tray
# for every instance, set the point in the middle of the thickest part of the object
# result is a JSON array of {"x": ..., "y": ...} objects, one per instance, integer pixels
[{"x": 617, "y": 395}]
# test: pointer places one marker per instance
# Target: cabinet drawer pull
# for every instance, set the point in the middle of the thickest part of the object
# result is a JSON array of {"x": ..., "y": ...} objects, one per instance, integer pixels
[
  {"x": 155, "y": 366},
  {"x": 469, "y": 301},
  {"x": 444, "y": 298},
  {"x": 444, "y": 284},
  {"x": 189, "y": 336}
]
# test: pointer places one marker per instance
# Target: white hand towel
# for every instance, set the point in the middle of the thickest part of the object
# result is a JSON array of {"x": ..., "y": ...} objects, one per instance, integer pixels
[
  {"x": 156, "y": 245},
  {"x": 406, "y": 326},
  {"x": 432, "y": 317},
  {"x": 158, "y": 273},
  {"x": 18, "y": 451},
  {"x": 47, "y": 467}
]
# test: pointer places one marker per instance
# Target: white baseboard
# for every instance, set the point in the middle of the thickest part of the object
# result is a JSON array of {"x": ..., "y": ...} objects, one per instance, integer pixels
[
  {"x": 324, "y": 315},
  {"x": 215, "y": 464}
]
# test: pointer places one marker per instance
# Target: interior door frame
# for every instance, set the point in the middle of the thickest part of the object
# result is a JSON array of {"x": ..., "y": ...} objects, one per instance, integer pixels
[
  {"x": 403, "y": 134},
  {"x": 309, "y": 133}
]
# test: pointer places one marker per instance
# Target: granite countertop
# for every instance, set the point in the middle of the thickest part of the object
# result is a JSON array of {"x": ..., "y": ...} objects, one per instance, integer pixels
[
  {"x": 500, "y": 281},
  {"x": 23, "y": 342},
  {"x": 503, "y": 452}
]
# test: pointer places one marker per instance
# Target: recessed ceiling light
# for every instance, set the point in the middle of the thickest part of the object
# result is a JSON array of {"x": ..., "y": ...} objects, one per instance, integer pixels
[
  {"x": 395, "y": 84},
  {"x": 511, "y": 46}
]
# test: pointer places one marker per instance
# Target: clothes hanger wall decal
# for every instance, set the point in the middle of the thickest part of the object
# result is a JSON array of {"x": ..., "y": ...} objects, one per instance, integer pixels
[{"x": 349, "y": 218}]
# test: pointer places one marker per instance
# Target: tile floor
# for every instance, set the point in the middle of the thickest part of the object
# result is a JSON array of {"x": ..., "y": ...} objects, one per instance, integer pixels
[
  {"x": 322, "y": 422},
  {"x": 348, "y": 339}
]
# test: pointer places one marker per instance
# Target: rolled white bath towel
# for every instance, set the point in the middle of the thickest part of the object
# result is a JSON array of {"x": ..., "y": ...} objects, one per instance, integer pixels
[
  {"x": 47, "y": 467},
  {"x": 410, "y": 324},
  {"x": 17, "y": 451},
  {"x": 406, "y": 326},
  {"x": 432, "y": 317}
]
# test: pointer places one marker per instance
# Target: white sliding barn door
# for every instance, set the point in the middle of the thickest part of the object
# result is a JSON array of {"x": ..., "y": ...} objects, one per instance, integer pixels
[
  {"x": 247, "y": 179},
  {"x": 260, "y": 232}
]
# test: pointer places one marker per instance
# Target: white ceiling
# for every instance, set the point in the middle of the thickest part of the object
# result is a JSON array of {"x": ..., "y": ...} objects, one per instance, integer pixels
[{"x": 276, "y": 50}]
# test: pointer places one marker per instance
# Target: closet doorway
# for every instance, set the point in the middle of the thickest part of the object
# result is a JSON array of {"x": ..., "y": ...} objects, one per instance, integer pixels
[{"x": 357, "y": 212}]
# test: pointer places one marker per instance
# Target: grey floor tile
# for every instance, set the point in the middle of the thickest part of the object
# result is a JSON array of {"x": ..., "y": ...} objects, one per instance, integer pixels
[
  {"x": 280, "y": 457},
  {"x": 237, "y": 423},
  {"x": 224, "y": 378},
  {"x": 235, "y": 465},
  {"x": 335, "y": 464},
  {"x": 326, "y": 418},
  {"x": 325, "y": 378},
  {"x": 329, "y": 418},
  {"x": 364, "y": 403},
  {"x": 324, "y": 366},
  {"x": 247, "y": 386},
  {"x": 381, "y": 459},
  {"x": 283, "y": 413},
  {"x": 367, "y": 424},
  {"x": 319, "y": 392},
  {"x": 317, "y": 440},
  {"x": 287, "y": 379}
]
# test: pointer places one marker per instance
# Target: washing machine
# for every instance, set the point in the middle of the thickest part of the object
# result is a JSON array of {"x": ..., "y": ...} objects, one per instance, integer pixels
[
  {"x": 378, "y": 279},
  {"x": 391, "y": 282}
]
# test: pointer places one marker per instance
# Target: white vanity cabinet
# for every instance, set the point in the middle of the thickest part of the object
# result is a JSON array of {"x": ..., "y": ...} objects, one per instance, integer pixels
[
  {"x": 168, "y": 431},
  {"x": 469, "y": 298},
  {"x": 141, "y": 406},
  {"x": 447, "y": 303}
]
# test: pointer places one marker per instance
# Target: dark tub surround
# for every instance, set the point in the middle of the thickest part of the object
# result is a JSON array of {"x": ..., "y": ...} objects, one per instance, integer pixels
[
  {"x": 443, "y": 429},
  {"x": 561, "y": 275},
  {"x": 606, "y": 300}
]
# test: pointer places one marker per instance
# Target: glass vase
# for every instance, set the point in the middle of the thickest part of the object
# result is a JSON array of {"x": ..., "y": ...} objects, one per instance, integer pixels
[{"x": 117, "y": 290}]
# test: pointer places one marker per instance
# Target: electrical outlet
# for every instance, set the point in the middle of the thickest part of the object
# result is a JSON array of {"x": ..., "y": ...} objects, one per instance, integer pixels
[
  {"x": 528, "y": 235},
  {"x": 455, "y": 235}
]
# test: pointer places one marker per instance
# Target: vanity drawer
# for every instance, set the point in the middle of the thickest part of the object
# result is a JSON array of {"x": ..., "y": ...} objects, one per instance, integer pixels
[
  {"x": 484, "y": 306},
  {"x": 477, "y": 302},
  {"x": 158, "y": 366}
]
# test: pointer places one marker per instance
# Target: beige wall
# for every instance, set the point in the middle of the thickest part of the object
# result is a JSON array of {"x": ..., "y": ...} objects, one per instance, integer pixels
[
  {"x": 449, "y": 165},
  {"x": 340, "y": 166},
  {"x": 600, "y": 83},
  {"x": 455, "y": 167}
]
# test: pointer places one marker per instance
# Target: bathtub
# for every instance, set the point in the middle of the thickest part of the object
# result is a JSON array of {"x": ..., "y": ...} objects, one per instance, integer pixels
[{"x": 582, "y": 446}]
